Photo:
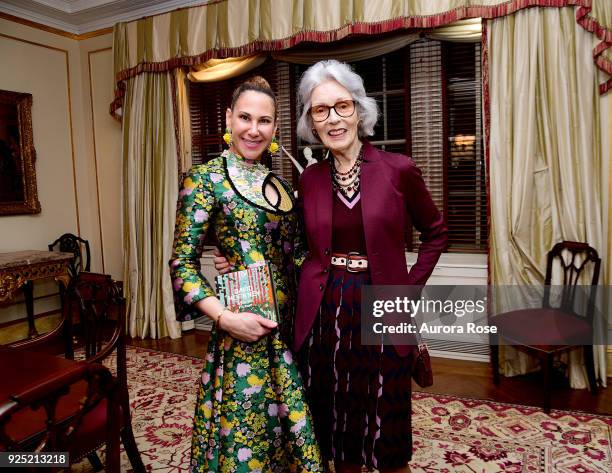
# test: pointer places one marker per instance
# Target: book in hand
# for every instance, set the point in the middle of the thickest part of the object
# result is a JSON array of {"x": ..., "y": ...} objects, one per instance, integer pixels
[{"x": 249, "y": 290}]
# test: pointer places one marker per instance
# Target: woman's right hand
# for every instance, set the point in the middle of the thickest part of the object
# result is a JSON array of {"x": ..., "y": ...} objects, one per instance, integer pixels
[
  {"x": 246, "y": 326},
  {"x": 222, "y": 265}
]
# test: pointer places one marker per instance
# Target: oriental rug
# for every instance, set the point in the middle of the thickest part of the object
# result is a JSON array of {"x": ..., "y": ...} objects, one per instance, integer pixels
[{"x": 450, "y": 434}]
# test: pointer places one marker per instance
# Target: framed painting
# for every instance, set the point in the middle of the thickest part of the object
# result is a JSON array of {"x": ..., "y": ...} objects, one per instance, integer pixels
[{"x": 18, "y": 192}]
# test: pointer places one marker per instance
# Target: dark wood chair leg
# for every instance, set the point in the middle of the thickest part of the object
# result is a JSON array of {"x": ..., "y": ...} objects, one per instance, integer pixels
[
  {"x": 494, "y": 340},
  {"x": 547, "y": 367},
  {"x": 113, "y": 461},
  {"x": 131, "y": 449},
  {"x": 95, "y": 461},
  {"x": 589, "y": 364},
  {"x": 127, "y": 435}
]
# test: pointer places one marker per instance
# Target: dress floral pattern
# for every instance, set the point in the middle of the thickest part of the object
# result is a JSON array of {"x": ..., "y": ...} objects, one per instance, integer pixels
[{"x": 251, "y": 415}]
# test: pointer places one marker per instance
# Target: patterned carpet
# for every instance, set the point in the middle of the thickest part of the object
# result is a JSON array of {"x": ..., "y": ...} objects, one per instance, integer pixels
[{"x": 450, "y": 434}]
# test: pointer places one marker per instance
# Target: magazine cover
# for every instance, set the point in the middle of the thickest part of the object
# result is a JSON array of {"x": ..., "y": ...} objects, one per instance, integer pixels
[{"x": 249, "y": 290}]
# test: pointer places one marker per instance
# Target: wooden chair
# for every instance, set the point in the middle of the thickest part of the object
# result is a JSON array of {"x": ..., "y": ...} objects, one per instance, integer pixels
[
  {"x": 79, "y": 247},
  {"x": 97, "y": 302},
  {"x": 531, "y": 330},
  {"x": 70, "y": 243}
]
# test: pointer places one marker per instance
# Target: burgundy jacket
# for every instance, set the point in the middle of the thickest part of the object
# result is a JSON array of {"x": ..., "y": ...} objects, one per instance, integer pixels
[{"x": 393, "y": 193}]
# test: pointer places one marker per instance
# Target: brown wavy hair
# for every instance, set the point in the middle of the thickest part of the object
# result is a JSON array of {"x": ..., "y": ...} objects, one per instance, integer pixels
[{"x": 258, "y": 84}]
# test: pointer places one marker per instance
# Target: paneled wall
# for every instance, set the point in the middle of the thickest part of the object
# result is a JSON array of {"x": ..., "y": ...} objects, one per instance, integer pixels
[{"x": 77, "y": 144}]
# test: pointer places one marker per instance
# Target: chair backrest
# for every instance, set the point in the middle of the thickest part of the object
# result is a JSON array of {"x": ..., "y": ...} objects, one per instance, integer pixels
[
  {"x": 73, "y": 244},
  {"x": 576, "y": 260},
  {"x": 96, "y": 301}
]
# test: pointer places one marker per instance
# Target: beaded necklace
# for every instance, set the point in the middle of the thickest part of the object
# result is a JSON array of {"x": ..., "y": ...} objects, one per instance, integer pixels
[{"x": 347, "y": 182}]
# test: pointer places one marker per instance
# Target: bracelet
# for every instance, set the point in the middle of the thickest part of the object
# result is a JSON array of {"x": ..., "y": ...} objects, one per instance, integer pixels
[{"x": 218, "y": 319}]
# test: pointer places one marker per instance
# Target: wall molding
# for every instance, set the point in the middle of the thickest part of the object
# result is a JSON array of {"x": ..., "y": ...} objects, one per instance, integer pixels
[
  {"x": 95, "y": 153},
  {"x": 69, "y": 92},
  {"x": 82, "y": 18}
]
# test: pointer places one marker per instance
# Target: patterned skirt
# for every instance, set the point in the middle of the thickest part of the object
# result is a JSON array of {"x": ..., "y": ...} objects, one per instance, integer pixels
[
  {"x": 251, "y": 414},
  {"x": 360, "y": 395}
]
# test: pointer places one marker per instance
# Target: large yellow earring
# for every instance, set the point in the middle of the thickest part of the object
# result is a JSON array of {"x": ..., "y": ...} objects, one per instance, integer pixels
[
  {"x": 227, "y": 137},
  {"x": 273, "y": 146}
]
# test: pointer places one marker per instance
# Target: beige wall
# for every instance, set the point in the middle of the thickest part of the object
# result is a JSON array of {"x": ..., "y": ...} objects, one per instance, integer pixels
[
  {"x": 104, "y": 144},
  {"x": 77, "y": 146}
]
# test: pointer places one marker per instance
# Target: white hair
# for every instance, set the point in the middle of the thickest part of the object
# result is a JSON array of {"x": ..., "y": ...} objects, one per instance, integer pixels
[{"x": 342, "y": 73}]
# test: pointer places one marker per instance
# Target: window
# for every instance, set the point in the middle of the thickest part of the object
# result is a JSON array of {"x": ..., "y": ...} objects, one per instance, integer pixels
[
  {"x": 430, "y": 100},
  {"x": 465, "y": 186}
]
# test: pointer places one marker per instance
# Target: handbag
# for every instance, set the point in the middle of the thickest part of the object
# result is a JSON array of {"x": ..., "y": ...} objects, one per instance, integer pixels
[{"x": 421, "y": 368}]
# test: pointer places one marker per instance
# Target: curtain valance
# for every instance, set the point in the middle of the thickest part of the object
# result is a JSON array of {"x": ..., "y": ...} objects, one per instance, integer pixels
[
  {"x": 225, "y": 28},
  {"x": 213, "y": 70}
]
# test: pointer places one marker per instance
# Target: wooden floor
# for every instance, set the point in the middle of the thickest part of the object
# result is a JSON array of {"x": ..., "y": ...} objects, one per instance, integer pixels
[{"x": 455, "y": 377}]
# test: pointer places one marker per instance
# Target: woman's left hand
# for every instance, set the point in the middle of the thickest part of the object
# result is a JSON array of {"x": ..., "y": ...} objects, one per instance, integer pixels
[{"x": 246, "y": 326}]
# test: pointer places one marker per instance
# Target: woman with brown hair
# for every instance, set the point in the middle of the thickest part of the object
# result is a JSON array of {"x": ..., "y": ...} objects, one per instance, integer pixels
[{"x": 250, "y": 415}]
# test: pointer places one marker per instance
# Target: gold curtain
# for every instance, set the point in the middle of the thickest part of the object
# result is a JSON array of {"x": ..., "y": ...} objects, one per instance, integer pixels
[
  {"x": 469, "y": 30},
  {"x": 236, "y": 28},
  {"x": 348, "y": 52},
  {"x": 215, "y": 70},
  {"x": 182, "y": 119},
  {"x": 544, "y": 170},
  {"x": 150, "y": 190}
]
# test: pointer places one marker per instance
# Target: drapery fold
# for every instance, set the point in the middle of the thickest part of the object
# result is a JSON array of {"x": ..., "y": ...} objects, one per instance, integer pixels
[
  {"x": 544, "y": 170},
  {"x": 468, "y": 30},
  {"x": 235, "y": 28},
  {"x": 348, "y": 52},
  {"x": 150, "y": 187},
  {"x": 215, "y": 70},
  {"x": 182, "y": 119}
]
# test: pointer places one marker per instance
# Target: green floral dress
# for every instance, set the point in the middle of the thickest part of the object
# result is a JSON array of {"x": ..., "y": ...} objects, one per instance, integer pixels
[{"x": 251, "y": 415}]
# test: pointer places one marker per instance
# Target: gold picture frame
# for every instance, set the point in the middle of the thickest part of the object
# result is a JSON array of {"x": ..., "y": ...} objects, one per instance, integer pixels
[{"x": 18, "y": 191}]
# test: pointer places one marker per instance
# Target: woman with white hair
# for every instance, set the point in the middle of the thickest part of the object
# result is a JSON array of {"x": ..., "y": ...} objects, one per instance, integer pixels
[
  {"x": 355, "y": 209},
  {"x": 356, "y": 206}
]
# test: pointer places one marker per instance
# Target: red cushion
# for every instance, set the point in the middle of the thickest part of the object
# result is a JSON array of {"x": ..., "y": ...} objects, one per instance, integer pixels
[
  {"x": 543, "y": 327},
  {"x": 27, "y": 422}
]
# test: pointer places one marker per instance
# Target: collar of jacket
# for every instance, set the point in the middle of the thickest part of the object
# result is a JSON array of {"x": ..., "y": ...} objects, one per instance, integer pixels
[{"x": 370, "y": 153}]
